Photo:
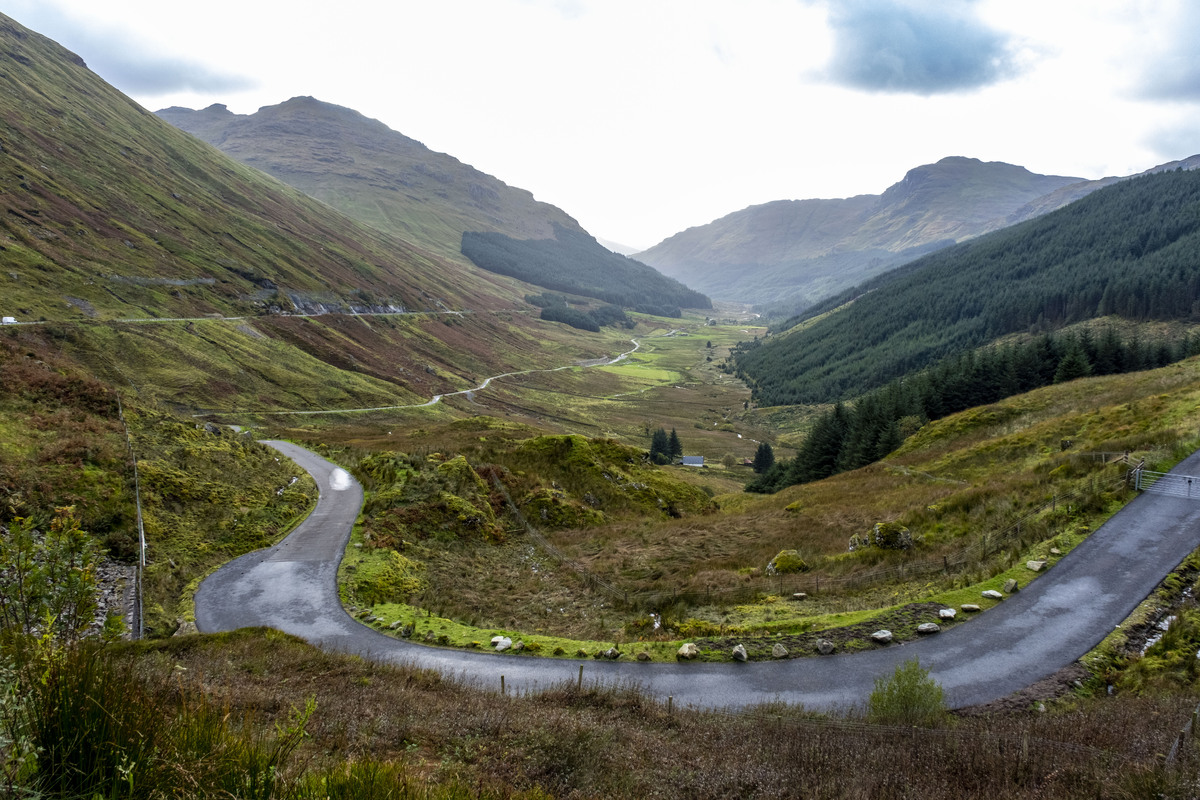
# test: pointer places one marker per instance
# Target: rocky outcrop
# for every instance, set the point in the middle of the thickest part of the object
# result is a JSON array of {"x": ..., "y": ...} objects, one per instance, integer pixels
[{"x": 885, "y": 536}]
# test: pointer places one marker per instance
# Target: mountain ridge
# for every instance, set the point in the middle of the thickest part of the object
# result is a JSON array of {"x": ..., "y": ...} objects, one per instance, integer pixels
[
  {"x": 372, "y": 172},
  {"x": 394, "y": 183},
  {"x": 108, "y": 211},
  {"x": 794, "y": 253}
]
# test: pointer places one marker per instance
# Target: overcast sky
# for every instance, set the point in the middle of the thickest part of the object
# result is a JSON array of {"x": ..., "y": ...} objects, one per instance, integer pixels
[{"x": 644, "y": 117}]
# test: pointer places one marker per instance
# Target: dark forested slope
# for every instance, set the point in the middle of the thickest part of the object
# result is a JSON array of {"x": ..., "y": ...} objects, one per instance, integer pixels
[
  {"x": 574, "y": 262},
  {"x": 1131, "y": 250}
]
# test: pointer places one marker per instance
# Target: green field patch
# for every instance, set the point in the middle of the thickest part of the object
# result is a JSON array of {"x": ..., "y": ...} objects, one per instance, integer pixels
[{"x": 643, "y": 373}]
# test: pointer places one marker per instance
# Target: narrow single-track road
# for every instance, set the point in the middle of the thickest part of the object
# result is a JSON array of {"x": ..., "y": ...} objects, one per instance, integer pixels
[{"x": 1031, "y": 634}]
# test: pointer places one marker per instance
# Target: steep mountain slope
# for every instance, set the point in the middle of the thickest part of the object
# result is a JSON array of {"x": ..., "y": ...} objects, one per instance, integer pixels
[
  {"x": 109, "y": 213},
  {"x": 372, "y": 173},
  {"x": 1127, "y": 250},
  {"x": 105, "y": 210},
  {"x": 805, "y": 250}
]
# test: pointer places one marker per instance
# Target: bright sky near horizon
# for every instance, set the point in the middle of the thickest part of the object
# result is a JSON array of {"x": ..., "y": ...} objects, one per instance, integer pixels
[{"x": 644, "y": 117}]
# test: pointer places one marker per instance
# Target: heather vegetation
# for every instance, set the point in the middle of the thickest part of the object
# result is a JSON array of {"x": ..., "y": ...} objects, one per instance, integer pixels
[
  {"x": 446, "y": 532},
  {"x": 616, "y": 536}
]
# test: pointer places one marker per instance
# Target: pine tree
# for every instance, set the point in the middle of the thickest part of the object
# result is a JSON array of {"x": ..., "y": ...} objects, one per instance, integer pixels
[
  {"x": 764, "y": 458},
  {"x": 1074, "y": 364},
  {"x": 675, "y": 446},
  {"x": 660, "y": 447}
]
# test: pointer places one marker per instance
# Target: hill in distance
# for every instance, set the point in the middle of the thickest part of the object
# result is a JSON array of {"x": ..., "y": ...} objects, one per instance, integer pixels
[
  {"x": 1127, "y": 250},
  {"x": 398, "y": 185},
  {"x": 794, "y": 253},
  {"x": 372, "y": 173}
]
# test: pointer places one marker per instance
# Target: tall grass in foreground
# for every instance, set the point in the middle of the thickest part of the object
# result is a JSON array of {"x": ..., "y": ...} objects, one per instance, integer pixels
[
  {"x": 77, "y": 722},
  {"x": 80, "y": 724},
  {"x": 137, "y": 722}
]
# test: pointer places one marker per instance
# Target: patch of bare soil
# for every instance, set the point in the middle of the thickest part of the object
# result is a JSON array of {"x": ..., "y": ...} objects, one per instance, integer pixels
[{"x": 1048, "y": 688}]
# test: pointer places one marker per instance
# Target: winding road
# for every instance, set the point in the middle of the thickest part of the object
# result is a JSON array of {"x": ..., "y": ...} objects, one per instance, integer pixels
[
  {"x": 437, "y": 398},
  {"x": 1044, "y": 627}
]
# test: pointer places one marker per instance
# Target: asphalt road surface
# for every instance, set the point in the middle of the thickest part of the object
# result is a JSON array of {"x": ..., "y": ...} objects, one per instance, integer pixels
[{"x": 1046, "y": 626}]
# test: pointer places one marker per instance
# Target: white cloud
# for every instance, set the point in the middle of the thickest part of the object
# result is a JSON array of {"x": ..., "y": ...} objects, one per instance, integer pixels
[
  {"x": 130, "y": 62},
  {"x": 1171, "y": 71},
  {"x": 643, "y": 118},
  {"x": 924, "y": 49}
]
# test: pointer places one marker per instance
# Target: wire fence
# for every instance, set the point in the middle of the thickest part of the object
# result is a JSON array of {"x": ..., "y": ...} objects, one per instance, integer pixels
[
  {"x": 1020, "y": 533},
  {"x": 1190, "y": 730},
  {"x": 1023, "y": 749},
  {"x": 138, "y": 625}
]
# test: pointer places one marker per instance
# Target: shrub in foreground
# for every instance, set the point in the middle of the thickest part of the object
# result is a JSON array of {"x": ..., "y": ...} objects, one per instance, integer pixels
[{"x": 908, "y": 697}]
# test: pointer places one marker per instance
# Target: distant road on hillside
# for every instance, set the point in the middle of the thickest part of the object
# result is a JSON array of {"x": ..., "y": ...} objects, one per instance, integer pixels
[{"x": 1032, "y": 634}]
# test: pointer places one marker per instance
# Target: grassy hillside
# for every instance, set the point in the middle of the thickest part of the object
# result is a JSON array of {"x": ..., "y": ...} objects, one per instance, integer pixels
[
  {"x": 112, "y": 214},
  {"x": 1126, "y": 250},
  {"x": 226, "y": 712},
  {"x": 109, "y": 211},
  {"x": 290, "y": 363}
]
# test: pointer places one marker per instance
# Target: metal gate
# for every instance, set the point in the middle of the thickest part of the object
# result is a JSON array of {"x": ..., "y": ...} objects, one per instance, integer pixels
[{"x": 1167, "y": 483}]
